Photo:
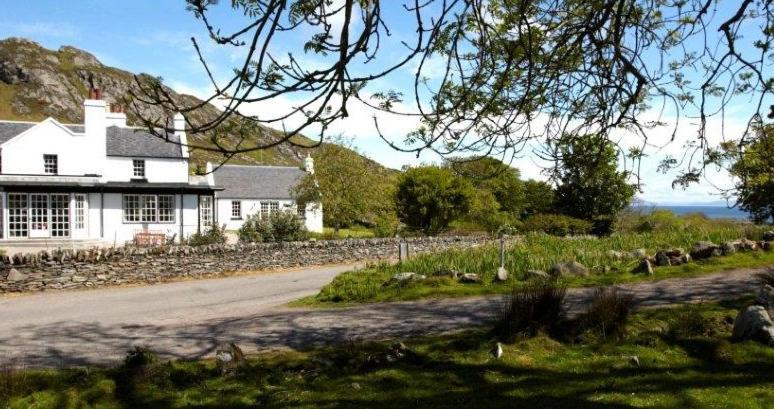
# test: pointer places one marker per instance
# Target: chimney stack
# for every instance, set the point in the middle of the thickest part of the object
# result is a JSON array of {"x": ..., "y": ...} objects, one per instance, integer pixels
[
  {"x": 179, "y": 124},
  {"x": 116, "y": 116},
  {"x": 94, "y": 123}
]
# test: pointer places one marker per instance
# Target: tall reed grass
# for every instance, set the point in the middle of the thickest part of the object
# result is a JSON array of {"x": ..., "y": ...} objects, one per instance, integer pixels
[{"x": 530, "y": 252}]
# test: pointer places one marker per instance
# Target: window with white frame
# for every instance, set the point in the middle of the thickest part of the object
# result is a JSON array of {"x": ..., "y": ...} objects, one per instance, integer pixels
[
  {"x": 166, "y": 209},
  {"x": 60, "y": 215},
  {"x": 301, "y": 210},
  {"x": 18, "y": 212},
  {"x": 149, "y": 208},
  {"x": 51, "y": 164},
  {"x": 236, "y": 209},
  {"x": 264, "y": 210},
  {"x": 79, "y": 217},
  {"x": 138, "y": 168},
  {"x": 205, "y": 211}
]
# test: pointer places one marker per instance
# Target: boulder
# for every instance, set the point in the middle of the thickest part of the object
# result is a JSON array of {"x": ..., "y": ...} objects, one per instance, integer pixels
[
  {"x": 404, "y": 277},
  {"x": 470, "y": 278},
  {"x": 704, "y": 249},
  {"x": 15, "y": 275},
  {"x": 765, "y": 298},
  {"x": 645, "y": 266},
  {"x": 686, "y": 258},
  {"x": 536, "y": 274},
  {"x": 229, "y": 357},
  {"x": 662, "y": 259},
  {"x": 748, "y": 245},
  {"x": 768, "y": 235},
  {"x": 765, "y": 245},
  {"x": 754, "y": 323},
  {"x": 502, "y": 274},
  {"x": 568, "y": 268},
  {"x": 675, "y": 252},
  {"x": 729, "y": 247}
]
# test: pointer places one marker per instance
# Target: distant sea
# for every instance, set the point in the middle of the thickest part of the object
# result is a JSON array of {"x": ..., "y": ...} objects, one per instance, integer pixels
[{"x": 713, "y": 212}]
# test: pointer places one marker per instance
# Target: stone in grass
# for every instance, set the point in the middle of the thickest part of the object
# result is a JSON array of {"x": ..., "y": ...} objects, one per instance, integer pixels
[
  {"x": 754, "y": 323},
  {"x": 634, "y": 360},
  {"x": 470, "y": 278},
  {"x": 536, "y": 275},
  {"x": 15, "y": 275},
  {"x": 705, "y": 249},
  {"x": 568, "y": 268},
  {"x": 645, "y": 267},
  {"x": 662, "y": 259},
  {"x": 405, "y": 277},
  {"x": 229, "y": 357},
  {"x": 768, "y": 236},
  {"x": 502, "y": 274}
]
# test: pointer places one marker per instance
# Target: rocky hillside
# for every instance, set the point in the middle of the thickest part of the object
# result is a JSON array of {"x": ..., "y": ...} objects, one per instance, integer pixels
[{"x": 36, "y": 83}]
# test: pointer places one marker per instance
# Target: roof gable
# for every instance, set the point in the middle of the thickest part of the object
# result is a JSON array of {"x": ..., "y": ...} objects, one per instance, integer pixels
[{"x": 257, "y": 182}]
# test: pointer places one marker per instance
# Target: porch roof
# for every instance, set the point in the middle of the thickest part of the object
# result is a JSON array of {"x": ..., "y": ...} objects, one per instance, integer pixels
[{"x": 87, "y": 185}]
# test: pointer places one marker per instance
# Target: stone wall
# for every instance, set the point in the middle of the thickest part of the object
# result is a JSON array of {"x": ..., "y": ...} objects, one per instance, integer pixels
[{"x": 67, "y": 269}]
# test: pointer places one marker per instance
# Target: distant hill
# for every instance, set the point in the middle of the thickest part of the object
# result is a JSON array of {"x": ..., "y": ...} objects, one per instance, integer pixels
[{"x": 36, "y": 83}]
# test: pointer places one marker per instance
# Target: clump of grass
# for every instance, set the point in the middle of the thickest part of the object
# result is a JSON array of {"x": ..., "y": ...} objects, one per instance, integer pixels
[
  {"x": 12, "y": 383},
  {"x": 530, "y": 309},
  {"x": 608, "y": 314}
]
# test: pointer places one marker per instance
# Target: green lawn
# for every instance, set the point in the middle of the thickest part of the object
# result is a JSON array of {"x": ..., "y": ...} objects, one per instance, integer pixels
[
  {"x": 679, "y": 368},
  {"x": 354, "y": 232},
  {"x": 535, "y": 251}
]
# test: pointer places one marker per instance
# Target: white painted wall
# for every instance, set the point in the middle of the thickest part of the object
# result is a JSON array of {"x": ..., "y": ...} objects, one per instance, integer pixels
[
  {"x": 252, "y": 206},
  {"x": 157, "y": 170},
  {"x": 116, "y": 230},
  {"x": 76, "y": 153}
]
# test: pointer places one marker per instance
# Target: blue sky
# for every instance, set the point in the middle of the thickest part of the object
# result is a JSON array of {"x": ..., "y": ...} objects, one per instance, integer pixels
[{"x": 153, "y": 37}]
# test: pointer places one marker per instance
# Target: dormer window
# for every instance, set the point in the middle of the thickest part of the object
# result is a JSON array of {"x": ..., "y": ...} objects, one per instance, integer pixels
[
  {"x": 138, "y": 165},
  {"x": 51, "y": 164}
]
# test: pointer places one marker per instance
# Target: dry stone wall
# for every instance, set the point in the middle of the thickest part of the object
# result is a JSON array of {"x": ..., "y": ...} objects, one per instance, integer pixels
[{"x": 70, "y": 269}]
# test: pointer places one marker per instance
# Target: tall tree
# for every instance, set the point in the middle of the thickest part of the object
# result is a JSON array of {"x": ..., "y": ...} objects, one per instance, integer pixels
[
  {"x": 494, "y": 176},
  {"x": 489, "y": 76},
  {"x": 349, "y": 187},
  {"x": 428, "y": 198},
  {"x": 539, "y": 198},
  {"x": 752, "y": 165},
  {"x": 589, "y": 182}
]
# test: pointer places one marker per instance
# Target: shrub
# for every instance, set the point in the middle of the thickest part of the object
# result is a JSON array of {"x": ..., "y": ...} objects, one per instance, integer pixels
[
  {"x": 608, "y": 313},
  {"x": 557, "y": 225},
  {"x": 255, "y": 230},
  {"x": 280, "y": 226},
  {"x": 690, "y": 322},
  {"x": 536, "y": 306},
  {"x": 215, "y": 235},
  {"x": 140, "y": 357}
]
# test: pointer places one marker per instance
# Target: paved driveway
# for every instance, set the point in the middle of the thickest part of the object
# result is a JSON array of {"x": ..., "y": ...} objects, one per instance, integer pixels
[{"x": 190, "y": 319}]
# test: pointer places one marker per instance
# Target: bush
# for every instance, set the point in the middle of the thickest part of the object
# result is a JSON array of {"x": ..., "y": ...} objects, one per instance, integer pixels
[
  {"x": 140, "y": 357},
  {"x": 255, "y": 230},
  {"x": 557, "y": 225},
  {"x": 215, "y": 235},
  {"x": 536, "y": 306},
  {"x": 280, "y": 226},
  {"x": 608, "y": 313},
  {"x": 691, "y": 322}
]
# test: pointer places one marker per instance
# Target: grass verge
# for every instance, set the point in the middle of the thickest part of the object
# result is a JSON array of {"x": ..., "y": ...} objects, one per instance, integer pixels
[
  {"x": 535, "y": 251},
  {"x": 678, "y": 368}
]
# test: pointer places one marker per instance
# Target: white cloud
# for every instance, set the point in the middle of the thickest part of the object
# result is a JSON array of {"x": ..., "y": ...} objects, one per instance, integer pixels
[{"x": 43, "y": 29}]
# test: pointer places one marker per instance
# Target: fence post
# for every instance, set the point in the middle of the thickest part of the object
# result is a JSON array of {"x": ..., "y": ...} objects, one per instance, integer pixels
[{"x": 403, "y": 251}]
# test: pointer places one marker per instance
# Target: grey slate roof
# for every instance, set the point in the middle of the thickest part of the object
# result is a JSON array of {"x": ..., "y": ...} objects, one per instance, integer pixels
[
  {"x": 120, "y": 141},
  {"x": 10, "y": 129},
  {"x": 257, "y": 182},
  {"x": 139, "y": 143}
]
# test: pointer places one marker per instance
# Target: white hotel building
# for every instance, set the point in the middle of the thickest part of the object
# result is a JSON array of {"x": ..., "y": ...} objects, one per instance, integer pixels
[{"x": 104, "y": 182}]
